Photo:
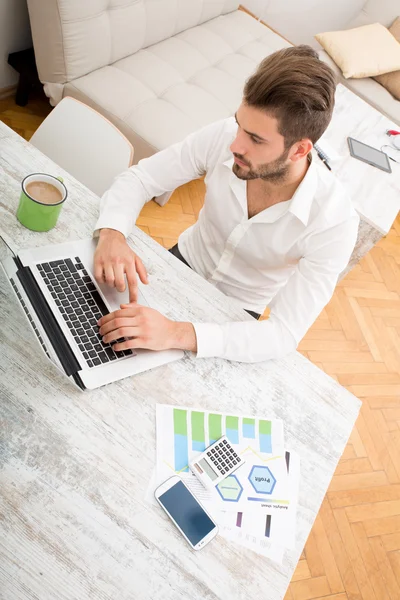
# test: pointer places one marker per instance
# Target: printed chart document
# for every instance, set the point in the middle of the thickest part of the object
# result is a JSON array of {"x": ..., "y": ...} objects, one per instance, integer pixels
[
  {"x": 276, "y": 524},
  {"x": 256, "y": 505},
  {"x": 183, "y": 433},
  {"x": 261, "y": 482}
]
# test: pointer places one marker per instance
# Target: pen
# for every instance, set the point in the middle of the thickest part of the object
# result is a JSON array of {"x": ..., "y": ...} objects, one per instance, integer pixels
[
  {"x": 325, "y": 162},
  {"x": 322, "y": 157}
]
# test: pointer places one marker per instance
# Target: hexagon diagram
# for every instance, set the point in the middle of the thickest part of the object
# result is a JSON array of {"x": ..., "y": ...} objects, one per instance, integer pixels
[
  {"x": 262, "y": 479},
  {"x": 230, "y": 489}
]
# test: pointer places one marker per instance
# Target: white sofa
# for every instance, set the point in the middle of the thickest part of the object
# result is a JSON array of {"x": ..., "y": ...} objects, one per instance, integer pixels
[
  {"x": 158, "y": 69},
  {"x": 373, "y": 11}
]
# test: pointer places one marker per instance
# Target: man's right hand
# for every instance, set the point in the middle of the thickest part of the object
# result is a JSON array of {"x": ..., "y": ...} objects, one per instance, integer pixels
[{"x": 114, "y": 259}]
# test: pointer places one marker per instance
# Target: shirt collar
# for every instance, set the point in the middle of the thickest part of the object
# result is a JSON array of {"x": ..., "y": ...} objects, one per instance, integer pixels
[
  {"x": 303, "y": 197},
  {"x": 301, "y": 202}
]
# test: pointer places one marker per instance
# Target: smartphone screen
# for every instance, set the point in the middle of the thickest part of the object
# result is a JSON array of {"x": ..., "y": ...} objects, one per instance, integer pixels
[{"x": 187, "y": 512}]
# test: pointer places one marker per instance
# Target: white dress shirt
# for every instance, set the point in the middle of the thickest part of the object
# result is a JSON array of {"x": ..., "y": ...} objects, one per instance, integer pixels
[{"x": 287, "y": 257}]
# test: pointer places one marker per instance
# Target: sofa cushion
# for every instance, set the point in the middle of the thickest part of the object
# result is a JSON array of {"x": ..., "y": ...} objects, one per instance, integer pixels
[
  {"x": 373, "y": 11},
  {"x": 75, "y": 37},
  {"x": 377, "y": 96},
  {"x": 364, "y": 51},
  {"x": 369, "y": 90},
  {"x": 162, "y": 93},
  {"x": 391, "y": 81}
]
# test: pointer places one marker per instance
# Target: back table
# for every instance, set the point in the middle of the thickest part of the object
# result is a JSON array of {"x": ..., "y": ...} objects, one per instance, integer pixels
[{"x": 75, "y": 465}]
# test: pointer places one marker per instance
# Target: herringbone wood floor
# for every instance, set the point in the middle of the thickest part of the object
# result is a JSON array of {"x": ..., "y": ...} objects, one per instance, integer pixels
[{"x": 353, "y": 552}]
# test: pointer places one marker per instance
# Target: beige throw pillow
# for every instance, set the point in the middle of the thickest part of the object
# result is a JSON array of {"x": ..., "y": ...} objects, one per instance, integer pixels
[
  {"x": 391, "y": 81},
  {"x": 363, "y": 51}
]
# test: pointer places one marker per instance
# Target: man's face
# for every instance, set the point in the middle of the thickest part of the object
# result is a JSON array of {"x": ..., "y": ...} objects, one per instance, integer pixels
[{"x": 258, "y": 148}]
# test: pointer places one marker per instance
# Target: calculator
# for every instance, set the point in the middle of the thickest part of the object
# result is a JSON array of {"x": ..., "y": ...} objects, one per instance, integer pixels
[{"x": 217, "y": 462}]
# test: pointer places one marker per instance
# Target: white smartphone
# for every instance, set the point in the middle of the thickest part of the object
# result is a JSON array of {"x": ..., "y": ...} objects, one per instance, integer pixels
[{"x": 186, "y": 512}]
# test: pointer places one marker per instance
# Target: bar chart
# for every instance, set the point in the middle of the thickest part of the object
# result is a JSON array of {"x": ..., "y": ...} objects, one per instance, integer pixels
[
  {"x": 232, "y": 429},
  {"x": 264, "y": 428},
  {"x": 198, "y": 432},
  {"x": 194, "y": 431},
  {"x": 181, "y": 441}
]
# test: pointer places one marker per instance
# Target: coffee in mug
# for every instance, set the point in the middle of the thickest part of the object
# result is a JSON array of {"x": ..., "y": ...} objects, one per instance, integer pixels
[
  {"x": 42, "y": 198},
  {"x": 43, "y": 192}
]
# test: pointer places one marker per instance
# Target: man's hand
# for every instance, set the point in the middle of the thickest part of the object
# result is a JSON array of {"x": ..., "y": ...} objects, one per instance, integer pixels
[
  {"x": 114, "y": 259},
  {"x": 148, "y": 329}
]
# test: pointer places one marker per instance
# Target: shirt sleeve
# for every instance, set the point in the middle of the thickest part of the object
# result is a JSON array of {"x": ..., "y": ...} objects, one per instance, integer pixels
[
  {"x": 163, "y": 172},
  {"x": 293, "y": 310}
]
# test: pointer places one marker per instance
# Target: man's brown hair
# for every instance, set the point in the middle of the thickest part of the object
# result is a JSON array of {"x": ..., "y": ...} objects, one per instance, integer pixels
[{"x": 294, "y": 86}]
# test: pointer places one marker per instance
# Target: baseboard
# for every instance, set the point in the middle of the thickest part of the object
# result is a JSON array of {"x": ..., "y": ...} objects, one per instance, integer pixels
[{"x": 8, "y": 91}]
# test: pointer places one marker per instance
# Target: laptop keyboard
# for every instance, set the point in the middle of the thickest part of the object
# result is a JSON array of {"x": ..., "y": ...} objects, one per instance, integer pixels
[{"x": 81, "y": 306}]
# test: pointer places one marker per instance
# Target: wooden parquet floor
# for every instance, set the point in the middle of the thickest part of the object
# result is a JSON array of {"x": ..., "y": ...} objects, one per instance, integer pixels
[{"x": 353, "y": 551}]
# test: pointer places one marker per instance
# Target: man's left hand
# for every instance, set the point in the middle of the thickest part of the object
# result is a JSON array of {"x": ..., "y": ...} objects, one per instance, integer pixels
[{"x": 148, "y": 329}]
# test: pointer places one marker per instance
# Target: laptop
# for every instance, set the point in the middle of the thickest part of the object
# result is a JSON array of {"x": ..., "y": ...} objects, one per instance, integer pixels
[{"x": 62, "y": 303}]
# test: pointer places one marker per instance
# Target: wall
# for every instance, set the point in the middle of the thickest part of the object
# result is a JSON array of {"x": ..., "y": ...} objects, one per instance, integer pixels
[
  {"x": 15, "y": 34},
  {"x": 300, "y": 20}
]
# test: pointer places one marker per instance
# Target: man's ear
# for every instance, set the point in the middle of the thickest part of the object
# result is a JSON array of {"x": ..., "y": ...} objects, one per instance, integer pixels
[{"x": 300, "y": 149}]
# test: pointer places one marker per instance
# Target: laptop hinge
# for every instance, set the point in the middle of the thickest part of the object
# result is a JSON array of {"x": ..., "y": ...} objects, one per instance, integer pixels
[
  {"x": 78, "y": 381},
  {"x": 48, "y": 321}
]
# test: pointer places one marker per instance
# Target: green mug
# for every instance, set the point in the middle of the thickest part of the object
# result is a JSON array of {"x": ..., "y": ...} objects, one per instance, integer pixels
[{"x": 37, "y": 215}]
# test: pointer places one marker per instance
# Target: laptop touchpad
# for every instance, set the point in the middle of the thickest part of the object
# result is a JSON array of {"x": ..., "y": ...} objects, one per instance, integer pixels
[{"x": 114, "y": 298}]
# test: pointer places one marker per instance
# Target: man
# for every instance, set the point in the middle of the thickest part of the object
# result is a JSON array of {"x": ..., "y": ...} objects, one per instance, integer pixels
[{"x": 276, "y": 228}]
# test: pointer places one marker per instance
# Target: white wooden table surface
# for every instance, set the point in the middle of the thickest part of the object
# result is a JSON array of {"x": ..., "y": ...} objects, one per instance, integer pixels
[
  {"x": 74, "y": 466},
  {"x": 375, "y": 194}
]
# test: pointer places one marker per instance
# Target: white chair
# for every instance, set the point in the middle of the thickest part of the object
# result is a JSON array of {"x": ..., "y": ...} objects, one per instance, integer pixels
[{"x": 84, "y": 143}]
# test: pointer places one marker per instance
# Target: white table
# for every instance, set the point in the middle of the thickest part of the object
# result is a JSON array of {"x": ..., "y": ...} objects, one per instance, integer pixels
[
  {"x": 375, "y": 194},
  {"x": 75, "y": 465}
]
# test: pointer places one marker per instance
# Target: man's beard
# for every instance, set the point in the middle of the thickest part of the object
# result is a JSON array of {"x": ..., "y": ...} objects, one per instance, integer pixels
[{"x": 275, "y": 171}]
